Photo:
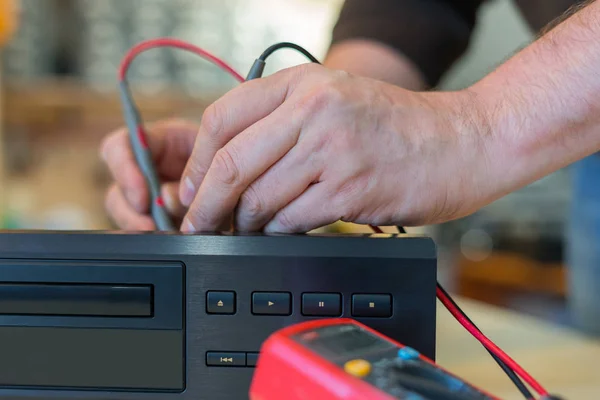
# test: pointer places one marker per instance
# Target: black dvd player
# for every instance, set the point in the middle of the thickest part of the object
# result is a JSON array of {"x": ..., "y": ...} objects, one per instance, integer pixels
[{"x": 115, "y": 315}]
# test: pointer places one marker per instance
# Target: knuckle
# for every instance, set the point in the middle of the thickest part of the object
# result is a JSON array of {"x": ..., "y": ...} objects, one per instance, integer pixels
[
  {"x": 303, "y": 70},
  {"x": 347, "y": 199},
  {"x": 340, "y": 80},
  {"x": 251, "y": 205},
  {"x": 286, "y": 222},
  {"x": 225, "y": 168},
  {"x": 200, "y": 218},
  {"x": 312, "y": 67},
  {"x": 196, "y": 173},
  {"x": 340, "y": 75},
  {"x": 332, "y": 93},
  {"x": 213, "y": 120},
  {"x": 321, "y": 98},
  {"x": 312, "y": 102}
]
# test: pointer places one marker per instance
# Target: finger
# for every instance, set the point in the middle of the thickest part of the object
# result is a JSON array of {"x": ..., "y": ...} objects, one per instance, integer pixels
[
  {"x": 170, "y": 194},
  {"x": 238, "y": 164},
  {"x": 123, "y": 215},
  {"x": 312, "y": 210},
  {"x": 227, "y": 117},
  {"x": 171, "y": 143},
  {"x": 276, "y": 188},
  {"x": 119, "y": 158}
]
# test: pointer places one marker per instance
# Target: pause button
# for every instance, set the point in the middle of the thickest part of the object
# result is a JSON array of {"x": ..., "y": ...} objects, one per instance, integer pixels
[{"x": 322, "y": 304}]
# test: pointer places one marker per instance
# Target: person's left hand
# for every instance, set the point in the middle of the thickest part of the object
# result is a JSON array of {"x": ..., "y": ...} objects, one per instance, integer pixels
[{"x": 309, "y": 146}]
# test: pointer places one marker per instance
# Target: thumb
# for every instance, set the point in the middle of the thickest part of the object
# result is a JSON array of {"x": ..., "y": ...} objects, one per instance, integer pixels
[{"x": 171, "y": 143}]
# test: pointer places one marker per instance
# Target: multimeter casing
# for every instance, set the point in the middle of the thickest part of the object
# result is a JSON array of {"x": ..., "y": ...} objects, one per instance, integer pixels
[
  {"x": 340, "y": 359},
  {"x": 118, "y": 315}
]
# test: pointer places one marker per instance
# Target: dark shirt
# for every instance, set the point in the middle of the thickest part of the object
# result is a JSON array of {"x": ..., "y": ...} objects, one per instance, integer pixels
[{"x": 432, "y": 33}]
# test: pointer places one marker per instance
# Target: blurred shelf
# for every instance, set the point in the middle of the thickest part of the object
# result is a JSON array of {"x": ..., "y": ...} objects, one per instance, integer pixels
[
  {"x": 63, "y": 188},
  {"x": 70, "y": 101},
  {"x": 504, "y": 275}
]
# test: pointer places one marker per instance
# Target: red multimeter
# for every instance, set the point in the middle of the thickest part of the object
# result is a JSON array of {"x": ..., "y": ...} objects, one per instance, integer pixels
[{"x": 336, "y": 359}]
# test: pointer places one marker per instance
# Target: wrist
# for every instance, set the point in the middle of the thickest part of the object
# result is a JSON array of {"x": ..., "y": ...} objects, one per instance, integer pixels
[
  {"x": 503, "y": 155},
  {"x": 480, "y": 143},
  {"x": 472, "y": 161},
  {"x": 454, "y": 137}
]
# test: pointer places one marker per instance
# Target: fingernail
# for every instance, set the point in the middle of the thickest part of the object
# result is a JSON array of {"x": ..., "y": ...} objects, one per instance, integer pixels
[
  {"x": 189, "y": 192},
  {"x": 273, "y": 227},
  {"x": 168, "y": 199},
  {"x": 188, "y": 227}
]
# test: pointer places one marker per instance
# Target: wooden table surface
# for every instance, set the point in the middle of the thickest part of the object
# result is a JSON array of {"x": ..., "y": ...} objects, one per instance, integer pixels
[{"x": 565, "y": 362}]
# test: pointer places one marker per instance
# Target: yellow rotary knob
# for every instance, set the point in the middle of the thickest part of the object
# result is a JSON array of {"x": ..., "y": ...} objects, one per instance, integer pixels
[{"x": 358, "y": 368}]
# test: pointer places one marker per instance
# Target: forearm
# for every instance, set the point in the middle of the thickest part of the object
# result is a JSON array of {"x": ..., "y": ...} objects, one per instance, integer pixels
[
  {"x": 371, "y": 59},
  {"x": 543, "y": 105}
]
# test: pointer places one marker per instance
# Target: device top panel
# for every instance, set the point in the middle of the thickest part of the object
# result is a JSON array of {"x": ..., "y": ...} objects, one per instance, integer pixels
[{"x": 47, "y": 243}]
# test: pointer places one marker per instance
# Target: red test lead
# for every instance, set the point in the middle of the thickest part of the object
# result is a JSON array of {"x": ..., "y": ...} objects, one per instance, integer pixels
[{"x": 137, "y": 134}]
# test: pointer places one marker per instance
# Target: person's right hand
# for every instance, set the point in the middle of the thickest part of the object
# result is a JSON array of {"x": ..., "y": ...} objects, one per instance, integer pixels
[{"x": 128, "y": 199}]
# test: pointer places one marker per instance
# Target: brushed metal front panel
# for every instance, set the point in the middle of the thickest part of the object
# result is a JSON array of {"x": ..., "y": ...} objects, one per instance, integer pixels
[{"x": 403, "y": 266}]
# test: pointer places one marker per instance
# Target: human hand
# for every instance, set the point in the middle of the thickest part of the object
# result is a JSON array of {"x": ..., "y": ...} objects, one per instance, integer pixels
[
  {"x": 309, "y": 146},
  {"x": 128, "y": 200}
]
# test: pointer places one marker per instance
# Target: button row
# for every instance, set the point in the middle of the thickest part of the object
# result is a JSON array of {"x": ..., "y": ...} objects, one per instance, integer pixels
[
  {"x": 231, "y": 359},
  {"x": 313, "y": 304}
]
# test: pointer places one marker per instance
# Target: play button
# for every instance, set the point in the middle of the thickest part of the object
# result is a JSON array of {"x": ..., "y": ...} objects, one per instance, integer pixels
[{"x": 267, "y": 303}]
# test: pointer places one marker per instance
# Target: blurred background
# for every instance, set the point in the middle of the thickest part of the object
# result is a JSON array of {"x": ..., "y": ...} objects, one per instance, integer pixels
[{"x": 59, "y": 99}]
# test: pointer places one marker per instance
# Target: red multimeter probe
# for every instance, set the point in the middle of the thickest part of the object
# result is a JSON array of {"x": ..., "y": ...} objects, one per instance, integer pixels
[{"x": 336, "y": 359}]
